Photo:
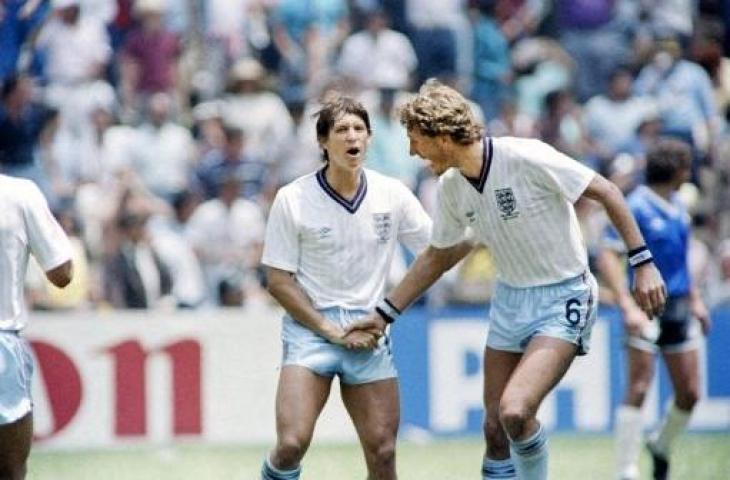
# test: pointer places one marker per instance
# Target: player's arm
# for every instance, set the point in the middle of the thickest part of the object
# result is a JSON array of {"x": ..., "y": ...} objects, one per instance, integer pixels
[
  {"x": 284, "y": 288},
  {"x": 610, "y": 265},
  {"x": 649, "y": 289},
  {"x": 426, "y": 269},
  {"x": 61, "y": 275}
]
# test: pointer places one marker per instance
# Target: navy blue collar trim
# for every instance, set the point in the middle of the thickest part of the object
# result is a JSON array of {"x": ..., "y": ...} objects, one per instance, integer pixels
[
  {"x": 486, "y": 165},
  {"x": 350, "y": 205}
]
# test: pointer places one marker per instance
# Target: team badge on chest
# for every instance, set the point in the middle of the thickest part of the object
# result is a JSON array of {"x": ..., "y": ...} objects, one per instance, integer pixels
[
  {"x": 506, "y": 203},
  {"x": 382, "y": 223}
]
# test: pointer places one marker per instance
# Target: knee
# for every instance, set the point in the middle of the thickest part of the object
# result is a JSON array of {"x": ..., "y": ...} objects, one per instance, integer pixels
[
  {"x": 636, "y": 393},
  {"x": 514, "y": 417},
  {"x": 687, "y": 400},
  {"x": 382, "y": 450},
  {"x": 497, "y": 443},
  {"x": 290, "y": 450}
]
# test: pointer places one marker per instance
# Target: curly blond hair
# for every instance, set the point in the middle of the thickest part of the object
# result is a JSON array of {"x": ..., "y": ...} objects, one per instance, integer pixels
[{"x": 441, "y": 110}]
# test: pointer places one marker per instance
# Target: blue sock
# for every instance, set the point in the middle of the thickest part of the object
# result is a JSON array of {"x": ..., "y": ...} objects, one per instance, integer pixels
[
  {"x": 498, "y": 469},
  {"x": 268, "y": 472},
  {"x": 531, "y": 456}
]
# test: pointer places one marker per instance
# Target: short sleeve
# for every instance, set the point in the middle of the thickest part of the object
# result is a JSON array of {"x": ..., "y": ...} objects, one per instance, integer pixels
[
  {"x": 558, "y": 172},
  {"x": 447, "y": 228},
  {"x": 281, "y": 242},
  {"x": 48, "y": 242},
  {"x": 414, "y": 229}
]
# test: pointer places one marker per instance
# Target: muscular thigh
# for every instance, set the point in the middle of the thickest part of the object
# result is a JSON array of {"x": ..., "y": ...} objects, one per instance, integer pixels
[
  {"x": 374, "y": 408},
  {"x": 498, "y": 368},
  {"x": 300, "y": 397},
  {"x": 542, "y": 366}
]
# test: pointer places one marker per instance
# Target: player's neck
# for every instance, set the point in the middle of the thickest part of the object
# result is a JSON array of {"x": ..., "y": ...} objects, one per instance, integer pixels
[
  {"x": 470, "y": 158},
  {"x": 344, "y": 182},
  {"x": 663, "y": 190}
]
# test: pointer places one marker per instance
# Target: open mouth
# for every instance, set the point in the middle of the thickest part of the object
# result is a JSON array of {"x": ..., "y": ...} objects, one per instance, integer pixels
[{"x": 354, "y": 151}]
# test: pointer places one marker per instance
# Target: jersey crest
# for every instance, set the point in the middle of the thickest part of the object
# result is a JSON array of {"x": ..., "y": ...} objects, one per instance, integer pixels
[
  {"x": 507, "y": 203},
  {"x": 382, "y": 224}
]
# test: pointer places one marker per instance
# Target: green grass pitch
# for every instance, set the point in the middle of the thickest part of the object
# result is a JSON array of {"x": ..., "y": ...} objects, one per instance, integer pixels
[{"x": 579, "y": 457}]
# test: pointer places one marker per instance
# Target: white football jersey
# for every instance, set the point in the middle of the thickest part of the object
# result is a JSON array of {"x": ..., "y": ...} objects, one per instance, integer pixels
[
  {"x": 26, "y": 226},
  {"x": 521, "y": 208},
  {"x": 340, "y": 251}
]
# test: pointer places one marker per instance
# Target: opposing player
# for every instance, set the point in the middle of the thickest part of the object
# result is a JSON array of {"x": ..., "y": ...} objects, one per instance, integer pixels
[
  {"x": 26, "y": 226},
  {"x": 517, "y": 197},
  {"x": 329, "y": 242},
  {"x": 666, "y": 226}
]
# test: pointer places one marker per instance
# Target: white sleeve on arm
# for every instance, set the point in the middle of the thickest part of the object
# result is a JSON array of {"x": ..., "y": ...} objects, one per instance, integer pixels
[
  {"x": 414, "y": 228},
  {"x": 47, "y": 240},
  {"x": 558, "y": 172},
  {"x": 281, "y": 242},
  {"x": 447, "y": 228}
]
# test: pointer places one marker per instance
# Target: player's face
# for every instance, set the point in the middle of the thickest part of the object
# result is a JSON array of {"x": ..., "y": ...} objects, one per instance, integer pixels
[
  {"x": 431, "y": 149},
  {"x": 347, "y": 142}
]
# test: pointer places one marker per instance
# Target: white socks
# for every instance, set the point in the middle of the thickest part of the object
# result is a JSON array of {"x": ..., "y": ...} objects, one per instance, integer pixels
[{"x": 628, "y": 436}]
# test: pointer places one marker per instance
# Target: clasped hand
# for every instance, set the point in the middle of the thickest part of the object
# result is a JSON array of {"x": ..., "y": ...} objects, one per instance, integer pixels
[{"x": 363, "y": 334}]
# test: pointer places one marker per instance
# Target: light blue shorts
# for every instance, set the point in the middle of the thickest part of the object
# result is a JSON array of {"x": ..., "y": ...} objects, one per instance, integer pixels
[
  {"x": 307, "y": 349},
  {"x": 16, "y": 370},
  {"x": 565, "y": 310}
]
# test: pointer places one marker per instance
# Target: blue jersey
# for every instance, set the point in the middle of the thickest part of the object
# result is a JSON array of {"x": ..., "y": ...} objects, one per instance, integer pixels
[{"x": 665, "y": 226}]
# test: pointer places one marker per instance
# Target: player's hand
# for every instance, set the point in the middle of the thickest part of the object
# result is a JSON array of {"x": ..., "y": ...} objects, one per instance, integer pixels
[
  {"x": 334, "y": 334},
  {"x": 636, "y": 321},
  {"x": 649, "y": 289},
  {"x": 362, "y": 339},
  {"x": 700, "y": 312},
  {"x": 373, "y": 322}
]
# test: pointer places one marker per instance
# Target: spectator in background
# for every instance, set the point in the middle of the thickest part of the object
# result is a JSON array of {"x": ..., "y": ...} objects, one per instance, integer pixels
[
  {"x": 388, "y": 151},
  {"x": 595, "y": 35},
  {"x": 227, "y": 233},
  {"x": 297, "y": 40},
  {"x": 169, "y": 239},
  {"x": 135, "y": 276},
  {"x": 22, "y": 122},
  {"x": 378, "y": 57},
  {"x": 683, "y": 91},
  {"x": 261, "y": 114},
  {"x": 562, "y": 125},
  {"x": 232, "y": 160},
  {"x": 149, "y": 59},
  {"x": 492, "y": 64},
  {"x": 435, "y": 27},
  {"x": 612, "y": 117},
  {"x": 75, "y": 50},
  {"x": 18, "y": 22},
  {"x": 512, "y": 123},
  {"x": 164, "y": 151}
]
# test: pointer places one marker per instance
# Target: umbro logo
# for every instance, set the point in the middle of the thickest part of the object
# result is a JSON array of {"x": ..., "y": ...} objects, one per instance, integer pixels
[
  {"x": 324, "y": 232},
  {"x": 471, "y": 216}
]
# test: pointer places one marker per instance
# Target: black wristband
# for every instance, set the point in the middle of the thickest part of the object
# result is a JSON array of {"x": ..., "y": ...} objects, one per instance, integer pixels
[
  {"x": 388, "y": 319},
  {"x": 390, "y": 304},
  {"x": 640, "y": 256}
]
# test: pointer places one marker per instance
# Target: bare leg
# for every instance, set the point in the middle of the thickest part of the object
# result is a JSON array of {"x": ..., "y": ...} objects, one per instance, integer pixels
[
  {"x": 300, "y": 397},
  {"x": 15, "y": 440},
  {"x": 628, "y": 423},
  {"x": 542, "y": 366},
  {"x": 375, "y": 411},
  {"x": 641, "y": 373},
  {"x": 683, "y": 370},
  {"x": 498, "y": 367}
]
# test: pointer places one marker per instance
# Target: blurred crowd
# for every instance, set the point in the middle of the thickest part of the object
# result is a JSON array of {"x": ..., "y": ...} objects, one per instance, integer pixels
[{"x": 160, "y": 130}]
